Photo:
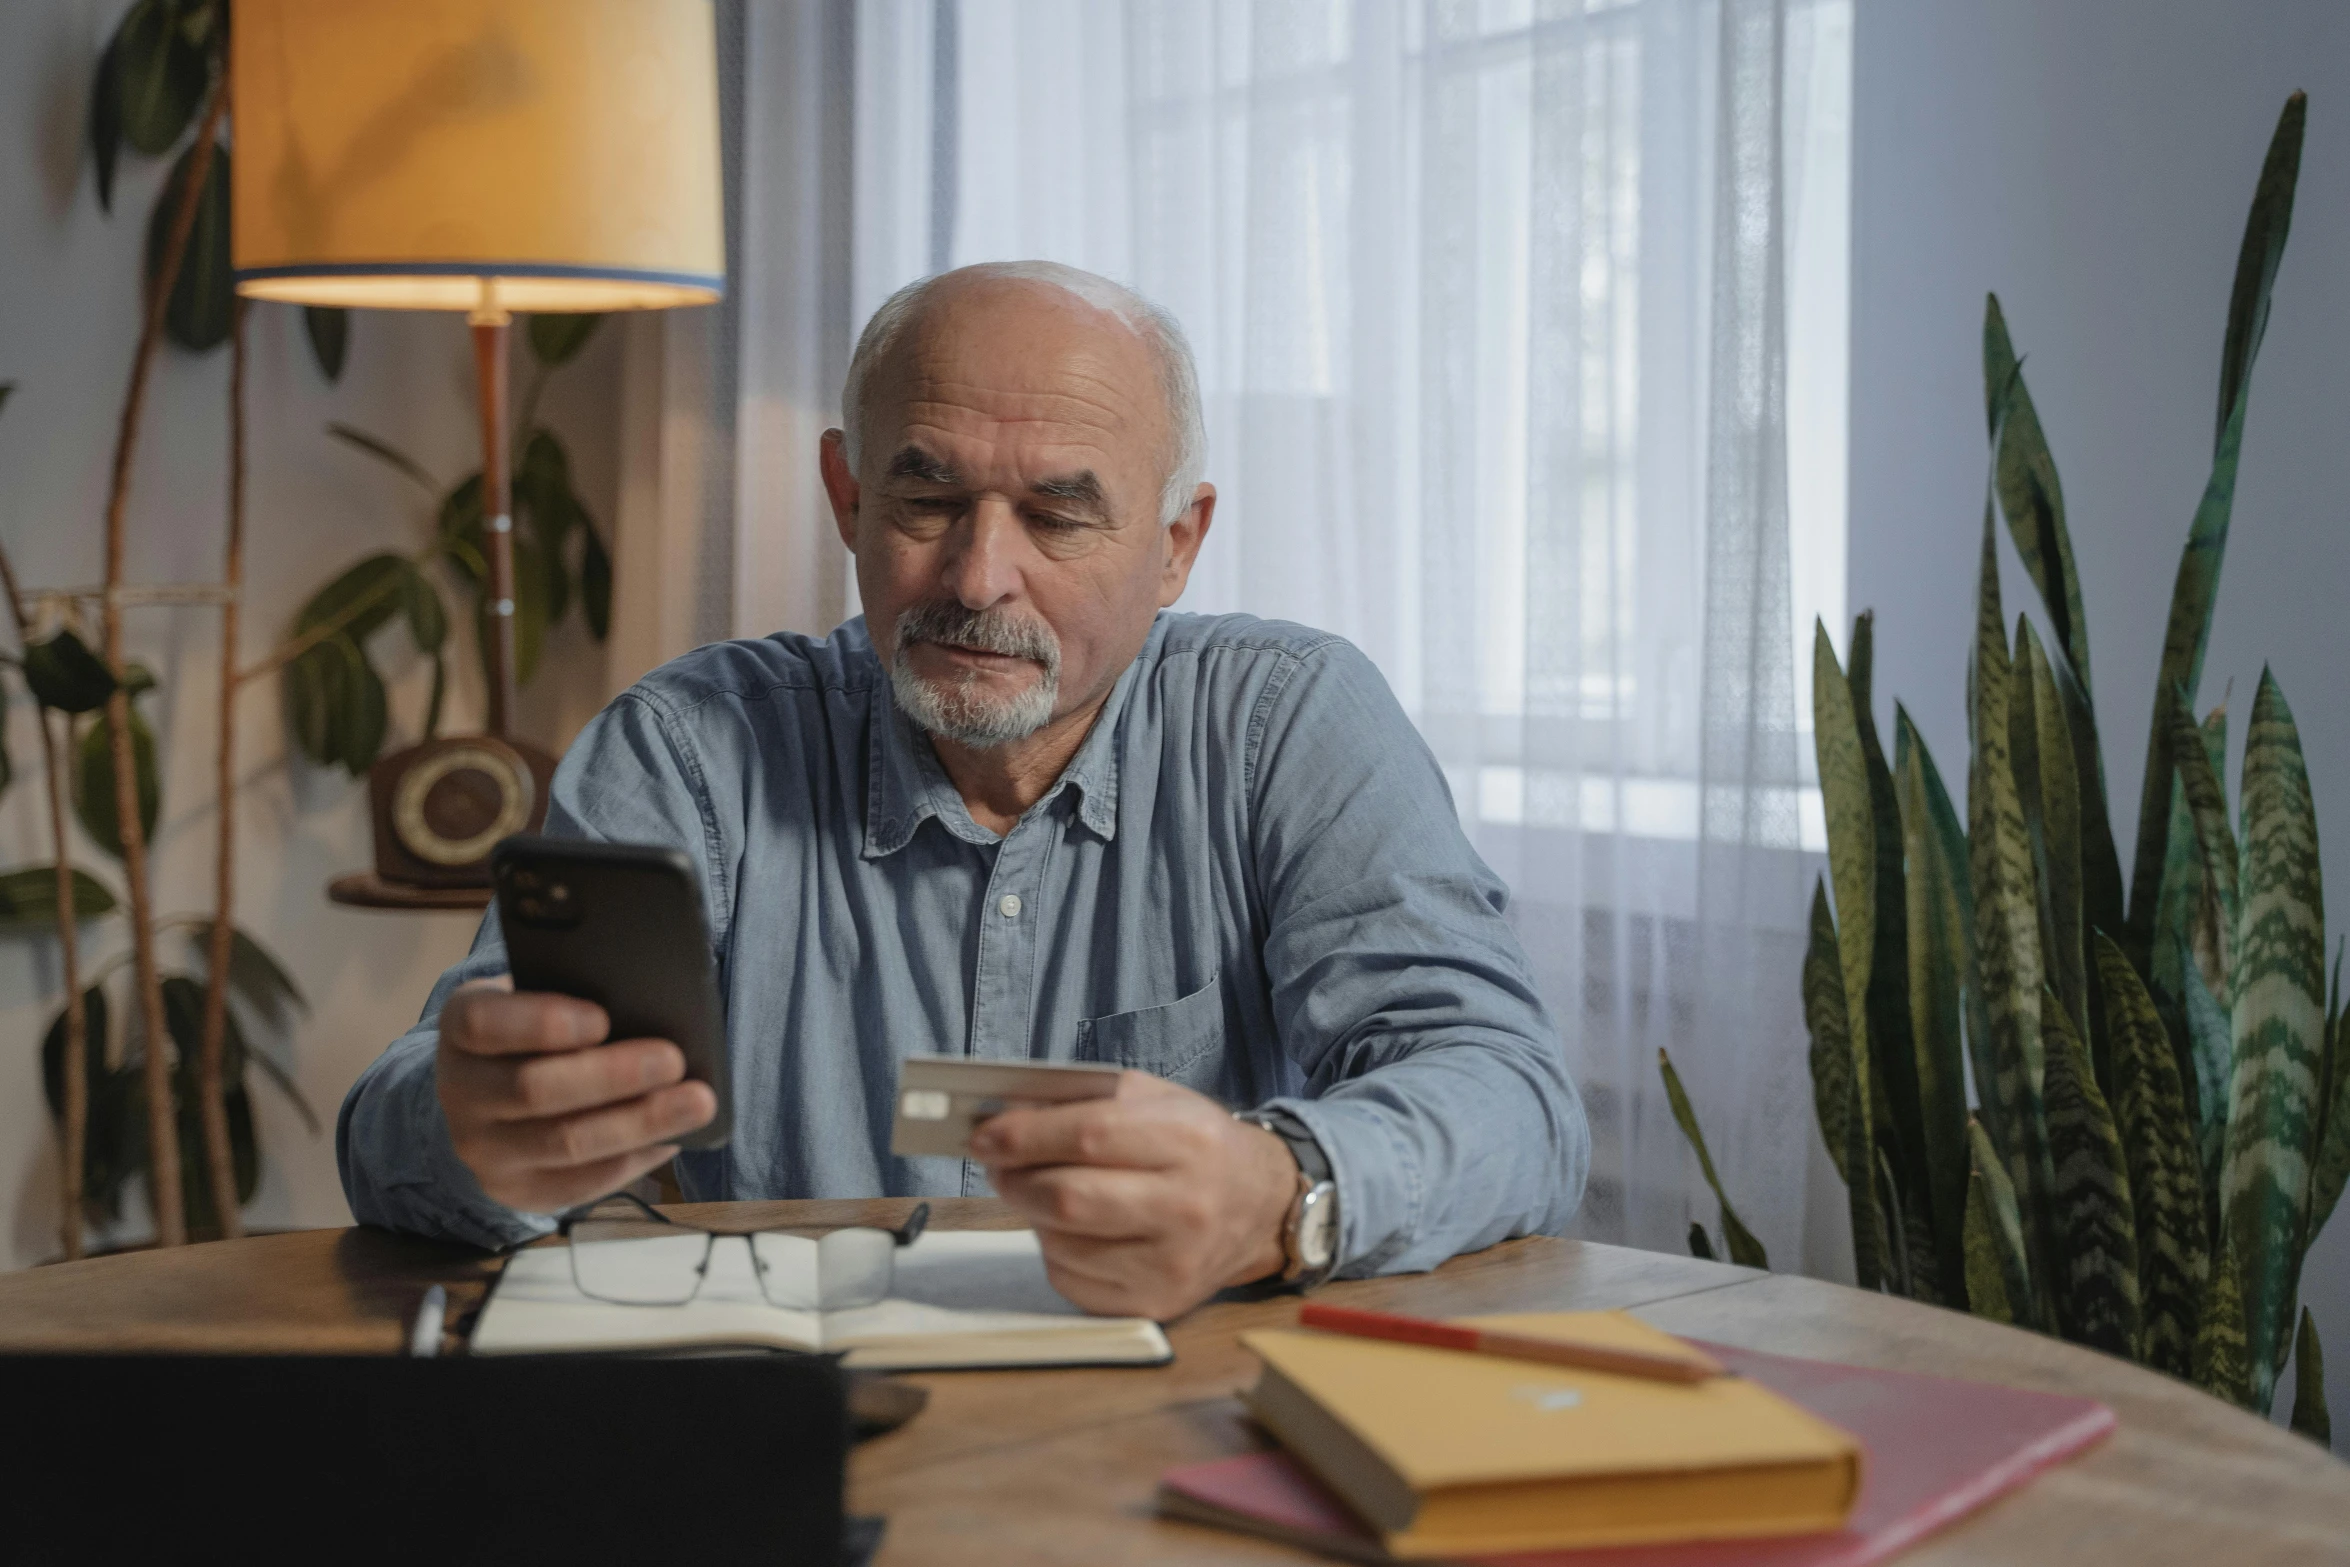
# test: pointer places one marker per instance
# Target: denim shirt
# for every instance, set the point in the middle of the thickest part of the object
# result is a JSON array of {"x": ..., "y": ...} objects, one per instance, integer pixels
[{"x": 1250, "y": 879}]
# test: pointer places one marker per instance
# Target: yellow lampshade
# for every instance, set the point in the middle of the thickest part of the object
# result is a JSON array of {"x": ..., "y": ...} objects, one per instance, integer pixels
[{"x": 397, "y": 153}]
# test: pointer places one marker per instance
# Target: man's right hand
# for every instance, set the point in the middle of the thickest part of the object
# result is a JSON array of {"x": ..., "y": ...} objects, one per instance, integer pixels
[{"x": 545, "y": 1114}]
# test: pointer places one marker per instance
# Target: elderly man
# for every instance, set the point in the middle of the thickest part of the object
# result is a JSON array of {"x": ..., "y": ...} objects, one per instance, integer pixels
[{"x": 1018, "y": 811}]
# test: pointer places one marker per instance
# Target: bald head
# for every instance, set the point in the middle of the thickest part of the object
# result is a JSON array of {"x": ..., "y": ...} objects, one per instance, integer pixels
[{"x": 1115, "y": 329}]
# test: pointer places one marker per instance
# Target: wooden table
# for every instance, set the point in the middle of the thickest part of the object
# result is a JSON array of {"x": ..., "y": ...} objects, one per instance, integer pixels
[{"x": 1059, "y": 1466}]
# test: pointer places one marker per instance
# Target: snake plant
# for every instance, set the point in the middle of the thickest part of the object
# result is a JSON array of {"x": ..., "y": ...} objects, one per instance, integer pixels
[{"x": 2116, "y": 1116}]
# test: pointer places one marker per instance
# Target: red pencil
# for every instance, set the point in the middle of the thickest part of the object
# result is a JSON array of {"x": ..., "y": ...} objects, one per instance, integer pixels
[{"x": 1693, "y": 1367}]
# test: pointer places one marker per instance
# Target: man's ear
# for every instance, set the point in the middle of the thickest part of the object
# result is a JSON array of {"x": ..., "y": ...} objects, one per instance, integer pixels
[
  {"x": 840, "y": 485},
  {"x": 1183, "y": 537}
]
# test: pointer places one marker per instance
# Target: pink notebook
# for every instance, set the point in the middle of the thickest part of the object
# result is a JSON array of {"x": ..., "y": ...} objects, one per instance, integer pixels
[{"x": 1938, "y": 1449}]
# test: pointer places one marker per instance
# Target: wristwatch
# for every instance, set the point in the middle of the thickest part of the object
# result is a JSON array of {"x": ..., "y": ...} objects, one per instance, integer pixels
[{"x": 1309, "y": 1237}]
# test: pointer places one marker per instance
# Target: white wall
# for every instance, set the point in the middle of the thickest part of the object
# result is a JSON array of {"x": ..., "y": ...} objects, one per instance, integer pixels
[
  {"x": 67, "y": 325},
  {"x": 2092, "y": 160}
]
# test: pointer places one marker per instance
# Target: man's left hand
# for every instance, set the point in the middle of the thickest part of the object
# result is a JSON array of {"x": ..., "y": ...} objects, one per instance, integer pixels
[{"x": 1146, "y": 1203}]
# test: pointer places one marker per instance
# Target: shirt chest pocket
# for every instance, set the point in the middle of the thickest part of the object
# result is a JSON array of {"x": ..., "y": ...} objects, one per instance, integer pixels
[{"x": 1182, "y": 1041}]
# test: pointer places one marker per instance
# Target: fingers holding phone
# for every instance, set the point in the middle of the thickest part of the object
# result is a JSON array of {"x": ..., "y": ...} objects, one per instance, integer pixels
[{"x": 545, "y": 1113}]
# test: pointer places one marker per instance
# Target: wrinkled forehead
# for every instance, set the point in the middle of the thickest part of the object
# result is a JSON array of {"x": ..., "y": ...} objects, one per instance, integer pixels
[{"x": 1021, "y": 364}]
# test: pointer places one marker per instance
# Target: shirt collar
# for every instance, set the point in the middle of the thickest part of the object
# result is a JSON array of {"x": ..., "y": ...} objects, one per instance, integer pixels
[{"x": 907, "y": 784}]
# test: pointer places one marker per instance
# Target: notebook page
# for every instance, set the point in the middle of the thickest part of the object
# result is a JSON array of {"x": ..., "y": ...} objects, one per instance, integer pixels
[{"x": 961, "y": 1281}]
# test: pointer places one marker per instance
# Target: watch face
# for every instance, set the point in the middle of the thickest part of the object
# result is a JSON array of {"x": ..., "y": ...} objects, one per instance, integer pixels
[
  {"x": 1317, "y": 1228},
  {"x": 453, "y": 807}
]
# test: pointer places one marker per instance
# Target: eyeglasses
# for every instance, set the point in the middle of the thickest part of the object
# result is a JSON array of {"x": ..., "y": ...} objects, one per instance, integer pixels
[{"x": 627, "y": 1253}]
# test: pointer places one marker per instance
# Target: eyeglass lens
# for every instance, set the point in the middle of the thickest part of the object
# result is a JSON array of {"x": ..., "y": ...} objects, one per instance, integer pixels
[{"x": 644, "y": 1262}]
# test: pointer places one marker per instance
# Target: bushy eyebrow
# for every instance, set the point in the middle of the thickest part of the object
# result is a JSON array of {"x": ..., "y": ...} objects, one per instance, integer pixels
[
  {"x": 1083, "y": 488},
  {"x": 915, "y": 463}
]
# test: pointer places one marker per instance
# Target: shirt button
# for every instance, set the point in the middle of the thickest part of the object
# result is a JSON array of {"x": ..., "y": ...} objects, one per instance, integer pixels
[{"x": 1009, "y": 906}]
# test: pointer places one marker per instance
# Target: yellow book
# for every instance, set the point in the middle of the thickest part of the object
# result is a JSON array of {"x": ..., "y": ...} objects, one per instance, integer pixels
[{"x": 1452, "y": 1453}]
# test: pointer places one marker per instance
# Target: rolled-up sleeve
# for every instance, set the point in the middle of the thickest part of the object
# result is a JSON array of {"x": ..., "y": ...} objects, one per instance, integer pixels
[
  {"x": 1436, "y": 1082},
  {"x": 629, "y": 777}
]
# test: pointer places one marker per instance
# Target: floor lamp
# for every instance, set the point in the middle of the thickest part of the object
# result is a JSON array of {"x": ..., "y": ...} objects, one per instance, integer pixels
[{"x": 488, "y": 156}]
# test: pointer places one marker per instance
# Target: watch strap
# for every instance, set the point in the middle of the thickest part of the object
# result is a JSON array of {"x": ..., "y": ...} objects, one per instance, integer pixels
[
  {"x": 1314, "y": 1174},
  {"x": 1303, "y": 1146}
]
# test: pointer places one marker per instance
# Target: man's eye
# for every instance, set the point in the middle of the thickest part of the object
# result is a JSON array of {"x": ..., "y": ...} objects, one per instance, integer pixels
[{"x": 1045, "y": 522}]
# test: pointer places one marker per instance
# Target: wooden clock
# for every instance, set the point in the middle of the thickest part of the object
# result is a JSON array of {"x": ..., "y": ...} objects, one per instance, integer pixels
[{"x": 440, "y": 807}]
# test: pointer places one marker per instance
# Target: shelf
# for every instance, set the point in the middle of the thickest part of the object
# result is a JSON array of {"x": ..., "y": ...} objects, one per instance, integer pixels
[{"x": 366, "y": 890}]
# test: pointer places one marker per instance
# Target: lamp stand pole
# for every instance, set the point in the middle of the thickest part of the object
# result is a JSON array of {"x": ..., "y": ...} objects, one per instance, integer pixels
[{"x": 490, "y": 327}]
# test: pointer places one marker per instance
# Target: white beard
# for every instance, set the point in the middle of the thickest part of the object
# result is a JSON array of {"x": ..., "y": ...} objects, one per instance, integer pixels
[{"x": 956, "y": 709}]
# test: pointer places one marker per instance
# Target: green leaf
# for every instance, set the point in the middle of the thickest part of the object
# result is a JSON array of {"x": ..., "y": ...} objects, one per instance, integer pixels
[
  {"x": 2207, "y": 807},
  {"x": 2186, "y": 939},
  {"x": 160, "y": 76},
  {"x": 1893, "y": 1066},
  {"x": 2278, "y": 1020},
  {"x": 64, "y": 674},
  {"x": 93, "y": 801},
  {"x": 2211, "y": 1049},
  {"x": 1901, "y": 1277},
  {"x": 545, "y": 464},
  {"x": 2048, "y": 786},
  {"x": 2189, "y": 630},
  {"x": 546, "y": 511},
  {"x": 1998, "y": 1280},
  {"x": 2102, "y": 904},
  {"x": 329, "y": 331},
  {"x": 2222, "y": 1362},
  {"x": 183, "y": 1012},
  {"x": 2096, "y": 1225},
  {"x": 361, "y": 724},
  {"x": 2265, "y": 228},
  {"x": 2309, "y": 1386},
  {"x": 556, "y": 339},
  {"x": 254, "y": 975},
  {"x": 1832, "y": 1082},
  {"x": 106, "y": 119},
  {"x": 1745, "y": 1250},
  {"x": 595, "y": 584},
  {"x": 1852, "y": 868},
  {"x": 336, "y": 706},
  {"x": 1700, "y": 1245},
  {"x": 370, "y": 591},
  {"x": 94, "y": 1037},
  {"x": 428, "y": 617},
  {"x": 183, "y": 1005},
  {"x": 28, "y": 899},
  {"x": 202, "y": 304},
  {"x": 312, "y": 687},
  {"x": 2007, "y": 926},
  {"x": 1938, "y": 962},
  {"x": 386, "y": 453},
  {"x": 2165, "y": 1165},
  {"x": 460, "y": 523},
  {"x": 2029, "y": 493},
  {"x": 2332, "y": 1169}
]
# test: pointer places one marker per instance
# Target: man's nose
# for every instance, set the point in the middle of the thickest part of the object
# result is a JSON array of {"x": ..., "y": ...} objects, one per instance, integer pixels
[{"x": 983, "y": 561}]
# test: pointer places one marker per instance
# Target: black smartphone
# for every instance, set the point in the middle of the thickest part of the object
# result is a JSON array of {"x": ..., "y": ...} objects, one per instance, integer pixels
[{"x": 620, "y": 924}]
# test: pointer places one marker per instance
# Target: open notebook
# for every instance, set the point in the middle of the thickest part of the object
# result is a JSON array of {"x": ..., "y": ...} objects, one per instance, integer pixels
[{"x": 960, "y": 1299}]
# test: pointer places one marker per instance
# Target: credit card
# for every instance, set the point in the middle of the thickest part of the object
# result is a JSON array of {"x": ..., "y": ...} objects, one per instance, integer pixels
[{"x": 942, "y": 1098}]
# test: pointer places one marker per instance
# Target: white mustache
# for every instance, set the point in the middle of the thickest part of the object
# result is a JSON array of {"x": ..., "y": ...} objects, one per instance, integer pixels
[{"x": 986, "y": 631}]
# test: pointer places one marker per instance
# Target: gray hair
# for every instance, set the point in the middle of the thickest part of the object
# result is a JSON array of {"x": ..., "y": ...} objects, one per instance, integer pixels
[{"x": 1178, "y": 376}]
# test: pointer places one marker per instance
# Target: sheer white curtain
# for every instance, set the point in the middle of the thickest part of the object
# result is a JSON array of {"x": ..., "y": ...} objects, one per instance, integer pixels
[{"x": 1518, "y": 323}]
